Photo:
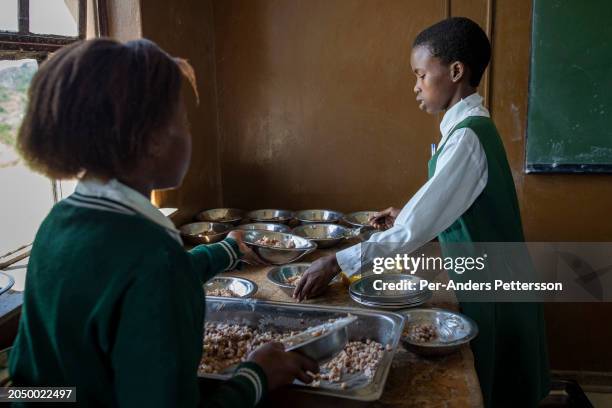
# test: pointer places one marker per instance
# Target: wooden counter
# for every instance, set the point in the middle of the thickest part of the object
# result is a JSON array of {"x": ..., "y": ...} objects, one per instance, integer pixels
[{"x": 413, "y": 381}]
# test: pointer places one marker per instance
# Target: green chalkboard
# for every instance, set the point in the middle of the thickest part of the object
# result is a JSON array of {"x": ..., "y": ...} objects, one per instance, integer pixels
[{"x": 569, "y": 124}]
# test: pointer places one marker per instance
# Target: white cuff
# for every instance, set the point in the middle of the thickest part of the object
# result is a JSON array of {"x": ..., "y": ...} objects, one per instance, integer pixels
[{"x": 349, "y": 259}]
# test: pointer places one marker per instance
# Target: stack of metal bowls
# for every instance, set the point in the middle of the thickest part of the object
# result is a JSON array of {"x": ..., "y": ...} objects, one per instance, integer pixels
[{"x": 364, "y": 291}]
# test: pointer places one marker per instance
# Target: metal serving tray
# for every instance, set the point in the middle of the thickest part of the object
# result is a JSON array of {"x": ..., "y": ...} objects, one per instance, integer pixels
[{"x": 383, "y": 327}]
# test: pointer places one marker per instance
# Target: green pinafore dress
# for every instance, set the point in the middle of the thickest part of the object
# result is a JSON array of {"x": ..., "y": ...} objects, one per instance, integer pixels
[{"x": 510, "y": 351}]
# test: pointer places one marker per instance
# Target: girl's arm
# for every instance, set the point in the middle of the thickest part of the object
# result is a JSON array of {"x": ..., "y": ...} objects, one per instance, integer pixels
[
  {"x": 460, "y": 176},
  {"x": 210, "y": 260},
  {"x": 158, "y": 345}
]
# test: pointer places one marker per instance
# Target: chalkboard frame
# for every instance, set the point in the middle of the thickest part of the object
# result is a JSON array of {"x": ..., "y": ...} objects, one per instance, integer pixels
[
  {"x": 568, "y": 168},
  {"x": 552, "y": 168}
]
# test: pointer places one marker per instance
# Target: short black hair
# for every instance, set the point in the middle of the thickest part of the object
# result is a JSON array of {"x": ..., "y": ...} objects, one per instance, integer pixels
[
  {"x": 95, "y": 106},
  {"x": 458, "y": 39}
]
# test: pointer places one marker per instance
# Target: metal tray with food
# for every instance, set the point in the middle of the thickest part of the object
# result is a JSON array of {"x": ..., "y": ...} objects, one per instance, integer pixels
[{"x": 372, "y": 329}]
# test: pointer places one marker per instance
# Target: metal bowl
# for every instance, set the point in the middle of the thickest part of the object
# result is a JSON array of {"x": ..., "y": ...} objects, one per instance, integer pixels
[
  {"x": 319, "y": 216},
  {"x": 454, "y": 330},
  {"x": 225, "y": 215},
  {"x": 364, "y": 287},
  {"x": 324, "y": 235},
  {"x": 204, "y": 232},
  {"x": 359, "y": 218},
  {"x": 244, "y": 288},
  {"x": 363, "y": 291},
  {"x": 6, "y": 282},
  {"x": 263, "y": 226},
  {"x": 278, "y": 256},
  {"x": 279, "y": 275},
  {"x": 392, "y": 306},
  {"x": 270, "y": 215},
  {"x": 325, "y": 346}
]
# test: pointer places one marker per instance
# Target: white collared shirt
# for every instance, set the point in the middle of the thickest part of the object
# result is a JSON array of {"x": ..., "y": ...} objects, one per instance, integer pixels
[
  {"x": 117, "y": 197},
  {"x": 459, "y": 178}
]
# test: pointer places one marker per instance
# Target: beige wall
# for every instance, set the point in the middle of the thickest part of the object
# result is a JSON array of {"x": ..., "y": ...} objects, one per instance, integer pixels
[
  {"x": 316, "y": 107},
  {"x": 184, "y": 29}
]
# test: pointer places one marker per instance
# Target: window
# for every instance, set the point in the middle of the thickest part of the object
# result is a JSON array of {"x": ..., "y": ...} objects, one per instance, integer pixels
[{"x": 29, "y": 31}]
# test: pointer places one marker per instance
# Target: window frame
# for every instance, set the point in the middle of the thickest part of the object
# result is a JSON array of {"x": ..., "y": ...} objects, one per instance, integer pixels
[
  {"x": 22, "y": 44},
  {"x": 24, "y": 40}
]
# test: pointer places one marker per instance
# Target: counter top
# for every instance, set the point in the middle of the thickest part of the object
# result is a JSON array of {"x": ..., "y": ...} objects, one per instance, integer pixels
[{"x": 413, "y": 381}]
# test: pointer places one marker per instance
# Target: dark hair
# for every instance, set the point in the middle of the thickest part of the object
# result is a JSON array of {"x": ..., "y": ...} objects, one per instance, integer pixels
[
  {"x": 458, "y": 39},
  {"x": 95, "y": 106}
]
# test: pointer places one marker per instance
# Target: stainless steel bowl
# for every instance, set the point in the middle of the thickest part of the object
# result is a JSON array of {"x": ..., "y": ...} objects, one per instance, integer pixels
[
  {"x": 364, "y": 292},
  {"x": 365, "y": 287},
  {"x": 319, "y": 216},
  {"x": 324, "y": 235},
  {"x": 279, "y": 275},
  {"x": 204, "y": 232},
  {"x": 264, "y": 226},
  {"x": 392, "y": 306},
  {"x": 243, "y": 288},
  {"x": 453, "y": 331},
  {"x": 271, "y": 215},
  {"x": 278, "y": 256},
  {"x": 225, "y": 215},
  {"x": 359, "y": 218},
  {"x": 6, "y": 282},
  {"x": 324, "y": 346}
]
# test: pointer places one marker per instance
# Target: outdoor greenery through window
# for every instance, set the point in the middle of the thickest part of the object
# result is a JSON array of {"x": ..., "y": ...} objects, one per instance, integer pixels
[{"x": 29, "y": 31}]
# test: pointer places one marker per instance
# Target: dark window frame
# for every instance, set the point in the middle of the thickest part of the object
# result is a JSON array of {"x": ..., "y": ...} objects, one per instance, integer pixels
[
  {"x": 23, "y": 41},
  {"x": 22, "y": 44}
]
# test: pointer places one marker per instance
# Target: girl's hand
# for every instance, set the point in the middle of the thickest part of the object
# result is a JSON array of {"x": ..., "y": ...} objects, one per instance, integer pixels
[
  {"x": 316, "y": 278},
  {"x": 248, "y": 255},
  {"x": 384, "y": 219},
  {"x": 282, "y": 367}
]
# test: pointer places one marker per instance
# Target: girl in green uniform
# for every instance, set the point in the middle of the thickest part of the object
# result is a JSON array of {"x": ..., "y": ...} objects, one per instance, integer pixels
[
  {"x": 469, "y": 198},
  {"x": 113, "y": 304}
]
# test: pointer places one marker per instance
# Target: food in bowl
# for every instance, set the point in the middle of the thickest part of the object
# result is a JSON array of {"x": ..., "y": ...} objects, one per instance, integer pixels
[
  {"x": 421, "y": 333},
  {"x": 223, "y": 292},
  {"x": 293, "y": 280},
  {"x": 275, "y": 243}
]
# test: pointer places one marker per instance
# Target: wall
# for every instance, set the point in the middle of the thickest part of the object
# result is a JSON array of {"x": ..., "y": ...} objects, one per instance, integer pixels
[
  {"x": 316, "y": 104},
  {"x": 184, "y": 29},
  {"x": 553, "y": 207},
  {"x": 316, "y": 109}
]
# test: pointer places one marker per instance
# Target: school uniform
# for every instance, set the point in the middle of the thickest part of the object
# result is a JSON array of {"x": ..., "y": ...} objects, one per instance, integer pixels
[
  {"x": 114, "y": 306},
  {"x": 470, "y": 197}
]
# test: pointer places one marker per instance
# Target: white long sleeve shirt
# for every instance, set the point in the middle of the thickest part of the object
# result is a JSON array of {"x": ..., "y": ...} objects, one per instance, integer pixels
[{"x": 459, "y": 178}]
